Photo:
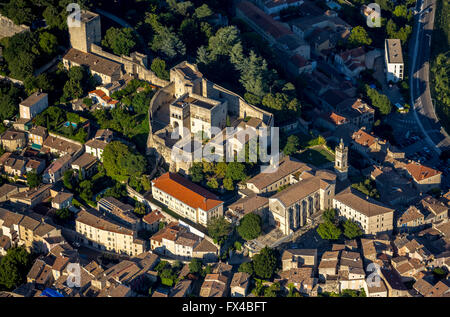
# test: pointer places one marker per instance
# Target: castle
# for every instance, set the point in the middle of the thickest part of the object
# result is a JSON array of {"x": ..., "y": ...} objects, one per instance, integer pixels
[
  {"x": 188, "y": 102},
  {"x": 105, "y": 67},
  {"x": 192, "y": 103}
]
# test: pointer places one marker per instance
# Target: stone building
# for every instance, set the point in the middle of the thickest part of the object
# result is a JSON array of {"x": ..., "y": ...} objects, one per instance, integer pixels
[{"x": 290, "y": 208}]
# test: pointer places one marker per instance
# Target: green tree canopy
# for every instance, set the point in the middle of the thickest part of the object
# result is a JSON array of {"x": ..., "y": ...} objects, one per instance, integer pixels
[
  {"x": 359, "y": 36},
  {"x": 250, "y": 226},
  {"x": 120, "y": 40},
  {"x": 218, "y": 229},
  {"x": 14, "y": 267},
  {"x": 265, "y": 263},
  {"x": 328, "y": 231},
  {"x": 195, "y": 266},
  {"x": 292, "y": 145},
  {"x": 246, "y": 267},
  {"x": 33, "y": 179},
  {"x": 121, "y": 162},
  {"x": 159, "y": 68},
  {"x": 48, "y": 43},
  {"x": 351, "y": 229},
  {"x": 203, "y": 11}
]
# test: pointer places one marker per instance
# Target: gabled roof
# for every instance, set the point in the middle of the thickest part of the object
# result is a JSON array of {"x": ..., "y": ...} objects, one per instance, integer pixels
[
  {"x": 186, "y": 191},
  {"x": 420, "y": 172},
  {"x": 366, "y": 205}
]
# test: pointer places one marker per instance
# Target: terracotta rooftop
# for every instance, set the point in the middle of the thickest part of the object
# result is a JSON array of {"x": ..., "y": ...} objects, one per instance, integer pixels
[
  {"x": 186, "y": 191},
  {"x": 420, "y": 172},
  {"x": 153, "y": 216},
  {"x": 363, "y": 138}
]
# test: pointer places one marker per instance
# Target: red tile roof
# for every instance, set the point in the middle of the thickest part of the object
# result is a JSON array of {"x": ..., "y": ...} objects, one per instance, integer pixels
[
  {"x": 153, "y": 216},
  {"x": 184, "y": 190},
  {"x": 421, "y": 172},
  {"x": 99, "y": 93}
]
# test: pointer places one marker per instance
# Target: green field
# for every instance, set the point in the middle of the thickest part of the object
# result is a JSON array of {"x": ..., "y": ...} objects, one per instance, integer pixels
[{"x": 316, "y": 156}]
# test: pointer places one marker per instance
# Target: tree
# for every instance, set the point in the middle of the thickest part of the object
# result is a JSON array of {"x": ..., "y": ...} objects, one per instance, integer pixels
[
  {"x": 212, "y": 183},
  {"x": 328, "y": 231},
  {"x": 292, "y": 145},
  {"x": 54, "y": 18},
  {"x": 48, "y": 43},
  {"x": 20, "y": 11},
  {"x": 223, "y": 41},
  {"x": 14, "y": 267},
  {"x": 195, "y": 266},
  {"x": 250, "y": 226},
  {"x": 351, "y": 229},
  {"x": 85, "y": 190},
  {"x": 379, "y": 100},
  {"x": 196, "y": 172},
  {"x": 67, "y": 179},
  {"x": 63, "y": 214},
  {"x": 140, "y": 209},
  {"x": 120, "y": 162},
  {"x": 218, "y": 229},
  {"x": 329, "y": 215},
  {"x": 359, "y": 36},
  {"x": 168, "y": 43},
  {"x": 236, "y": 171},
  {"x": 20, "y": 53},
  {"x": 401, "y": 11},
  {"x": 272, "y": 290},
  {"x": 9, "y": 100},
  {"x": 228, "y": 184},
  {"x": 120, "y": 41},
  {"x": 159, "y": 68},
  {"x": 265, "y": 263},
  {"x": 254, "y": 75},
  {"x": 203, "y": 11},
  {"x": 33, "y": 179},
  {"x": 246, "y": 267}
]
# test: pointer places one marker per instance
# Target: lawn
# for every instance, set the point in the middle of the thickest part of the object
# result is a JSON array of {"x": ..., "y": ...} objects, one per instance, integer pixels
[{"x": 316, "y": 156}]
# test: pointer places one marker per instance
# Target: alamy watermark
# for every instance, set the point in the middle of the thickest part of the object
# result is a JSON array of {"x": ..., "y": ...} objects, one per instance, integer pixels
[
  {"x": 74, "y": 17},
  {"x": 373, "y": 19},
  {"x": 230, "y": 145}
]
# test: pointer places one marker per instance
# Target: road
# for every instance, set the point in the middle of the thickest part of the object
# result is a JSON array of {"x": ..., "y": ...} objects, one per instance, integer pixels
[{"x": 423, "y": 107}]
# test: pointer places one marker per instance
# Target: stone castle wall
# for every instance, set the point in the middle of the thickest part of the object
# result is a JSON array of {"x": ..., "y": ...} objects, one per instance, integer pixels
[
  {"x": 135, "y": 65},
  {"x": 8, "y": 28}
]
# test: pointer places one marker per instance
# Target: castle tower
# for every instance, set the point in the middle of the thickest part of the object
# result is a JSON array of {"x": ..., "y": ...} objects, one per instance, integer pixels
[
  {"x": 341, "y": 161},
  {"x": 85, "y": 33}
]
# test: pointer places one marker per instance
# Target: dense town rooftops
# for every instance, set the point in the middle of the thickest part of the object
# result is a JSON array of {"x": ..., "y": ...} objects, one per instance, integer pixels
[
  {"x": 366, "y": 205},
  {"x": 186, "y": 191}
]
